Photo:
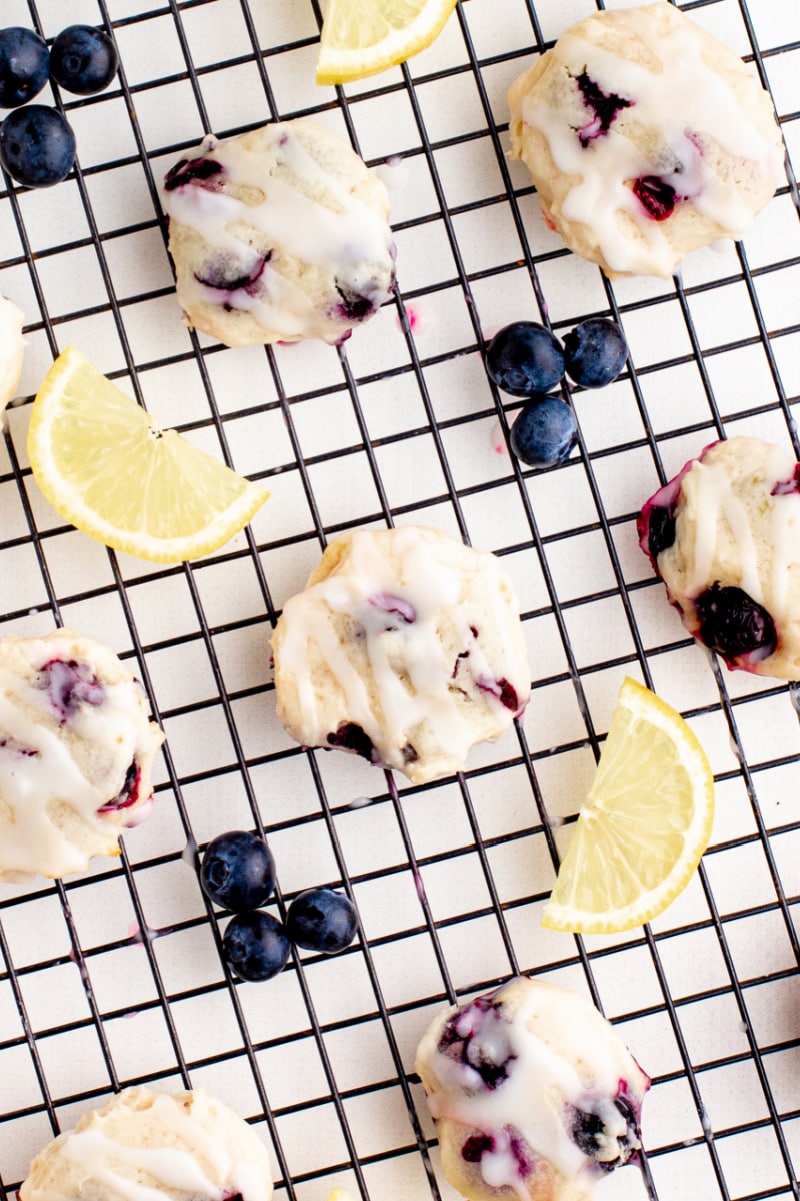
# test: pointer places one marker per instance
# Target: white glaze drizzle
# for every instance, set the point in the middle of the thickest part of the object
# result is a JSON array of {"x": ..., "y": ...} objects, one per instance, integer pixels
[
  {"x": 539, "y": 1083},
  {"x": 717, "y": 499},
  {"x": 12, "y": 349},
  {"x": 686, "y": 98},
  {"x": 338, "y": 232},
  {"x": 432, "y": 587},
  {"x": 31, "y": 784},
  {"x": 178, "y": 1167}
]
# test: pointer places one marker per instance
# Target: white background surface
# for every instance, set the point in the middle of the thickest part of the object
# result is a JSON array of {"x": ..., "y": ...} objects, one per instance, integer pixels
[{"x": 399, "y": 428}]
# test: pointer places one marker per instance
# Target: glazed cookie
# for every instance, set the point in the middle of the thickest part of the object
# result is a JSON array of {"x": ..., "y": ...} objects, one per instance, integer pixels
[
  {"x": 646, "y": 138},
  {"x": 145, "y": 1146},
  {"x": 406, "y": 647},
  {"x": 76, "y": 751},
  {"x": 533, "y": 1092},
  {"x": 724, "y": 535},
  {"x": 278, "y": 235}
]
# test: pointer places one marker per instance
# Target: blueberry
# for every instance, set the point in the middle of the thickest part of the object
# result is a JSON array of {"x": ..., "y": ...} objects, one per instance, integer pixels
[
  {"x": 129, "y": 793},
  {"x": 238, "y": 871},
  {"x": 661, "y": 531},
  {"x": 83, "y": 59},
  {"x": 37, "y": 146},
  {"x": 733, "y": 624},
  {"x": 24, "y": 65},
  {"x": 193, "y": 171},
  {"x": 349, "y": 736},
  {"x": 655, "y": 195},
  {"x": 69, "y": 685},
  {"x": 595, "y": 352},
  {"x": 604, "y": 107},
  {"x": 255, "y": 945},
  {"x": 476, "y": 1036},
  {"x": 589, "y": 1130},
  {"x": 320, "y": 919},
  {"x": 544, "y": 432},
  {"x": 524, "y": 358}
]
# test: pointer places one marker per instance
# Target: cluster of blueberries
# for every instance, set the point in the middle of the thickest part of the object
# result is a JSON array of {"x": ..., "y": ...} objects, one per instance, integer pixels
[
  {"x": 237, "y": 873},
  {"x": 37, "y": 144},
  {"x": 525, "y": 359}
]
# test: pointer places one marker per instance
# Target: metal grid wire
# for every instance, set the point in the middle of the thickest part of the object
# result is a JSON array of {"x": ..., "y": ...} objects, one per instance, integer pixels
[{"x": 114, "y": 978}]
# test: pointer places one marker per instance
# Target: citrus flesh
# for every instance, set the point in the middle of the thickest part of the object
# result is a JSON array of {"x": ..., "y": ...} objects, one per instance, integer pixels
[
  {"x": 362, "y": 37},
  {"x": 644, "y": 826},
  {"x": 107, "y": 469}
]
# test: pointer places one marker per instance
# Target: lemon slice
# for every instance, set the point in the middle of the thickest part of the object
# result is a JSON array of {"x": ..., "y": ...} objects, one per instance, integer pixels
[
  {"x": 644, "y": 826},
  {"x": 106, "y": 468},
  {"x": 363, "y": 37},
  {"x": 340, "y": 1194}
]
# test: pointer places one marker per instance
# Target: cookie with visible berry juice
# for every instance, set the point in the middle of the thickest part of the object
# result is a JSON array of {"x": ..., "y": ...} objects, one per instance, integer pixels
[
  {"x": 406, "y": 648},
  {"x": 724, "y": 536},
  {"x": 278, "y": 235},
  {"x": 534, "y": 1094},
  {"x": 646, "y": 138},
  {"x": 76, "y": 752},
  {"x": 151, "y": 1146}
]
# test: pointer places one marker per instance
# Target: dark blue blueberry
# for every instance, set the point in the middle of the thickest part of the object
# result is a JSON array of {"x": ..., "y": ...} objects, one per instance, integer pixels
[
  {"x": 70, "y": 684},
  {"x": 255, "y": 945},
  {"x": 320, "y": 919},
  {"x": 655, "y": 195},
  {"x": 24, "y": 65},
  {"x": 603, "y": 105},
  {"x": 238, "y": 871},
  {"x": 475, "y": 1037},
  {"x": 83, "y": 59},
  {"x": 733, "y": 624},
  {"x": 587, "y": 1129},
  {"x": 349, "y": 736},
  {"x": 355, "y": 306},
  {"x": 661, "y": 530},
  {"x": 544, "y": 432},
  {"x": 524, "y": 358},
  {"x": 595, "y": 352},
  {"x": 37, "y": 146},
  {"x": 475, "y": 1146},
  {"x": 227, "y": 273},
  {"x": 196, "y": 171}
]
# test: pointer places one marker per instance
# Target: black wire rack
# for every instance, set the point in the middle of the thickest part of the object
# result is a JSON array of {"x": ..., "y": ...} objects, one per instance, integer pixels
[{"x": 114, "y": 978}]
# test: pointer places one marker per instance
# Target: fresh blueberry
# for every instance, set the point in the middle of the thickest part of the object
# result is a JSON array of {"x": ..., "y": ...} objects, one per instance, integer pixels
[
  {"x": 733, "y": 624},
  {"x": 24, "y": 65},
  {"x": 595, "y": 352},
  {"x": 320, "y": 919},
  {"x": 238, "y": 871},
  {"x": 524, "y": 358},
  {"x": 544, "y": 432},
  {"x": 83, "y": 59},
  {"x": 255, "y": 945},
  {"x": 37, "y": 146}
]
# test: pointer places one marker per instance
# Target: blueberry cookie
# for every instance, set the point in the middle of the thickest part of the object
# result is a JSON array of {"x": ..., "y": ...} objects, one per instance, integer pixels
[
  {"x": 12, "y": 349},
  {"x": 145, "y": 1146},
  {"x": 406, "y": 647},
  {"x": 724, "y": 536},
  {"x": 278, "y": 235},
  {"x": 646, "y": 138},
  {"x": 533, "y": 1092},
  {"x": 76, "y": 750}
]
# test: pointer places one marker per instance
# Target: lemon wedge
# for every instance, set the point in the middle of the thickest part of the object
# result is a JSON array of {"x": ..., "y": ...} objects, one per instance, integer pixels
[
  {"x": 644, "y": 826},
  {"x": 106, "y": 468},
  {"x": 363, "y": 37}
]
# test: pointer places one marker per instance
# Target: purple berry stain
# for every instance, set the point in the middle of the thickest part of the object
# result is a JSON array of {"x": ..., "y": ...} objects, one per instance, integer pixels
[
  {"x": 476, "y": 1036},
  {"x": 227, "y": 274},
  {"x": 787, "y": 487},
  {"x": 394, "y": 604},
  {"x": 70, "y": 684},
  {"x": 198, "y": 171},
  {"x": 603, "y": 105},
  {"x": 506, "y": 693},
  {"x": 656, "y": 196},
  {"x": 129, "y": 793}
]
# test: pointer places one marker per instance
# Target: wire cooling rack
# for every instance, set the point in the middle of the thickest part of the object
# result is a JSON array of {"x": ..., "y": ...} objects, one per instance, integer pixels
[{"x": 114, "y": 978}]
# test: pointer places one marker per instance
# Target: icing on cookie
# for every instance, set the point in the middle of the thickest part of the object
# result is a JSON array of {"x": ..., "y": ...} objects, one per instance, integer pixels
[
  {"x": 610, "y": 157},
  {"x": 283, "y": 192}
]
